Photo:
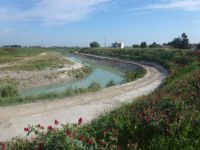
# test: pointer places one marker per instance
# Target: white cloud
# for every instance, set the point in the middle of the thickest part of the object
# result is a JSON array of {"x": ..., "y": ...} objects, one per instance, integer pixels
[
  {"x": 188, "y": 5},
  {"x": 53, "y": 11}
]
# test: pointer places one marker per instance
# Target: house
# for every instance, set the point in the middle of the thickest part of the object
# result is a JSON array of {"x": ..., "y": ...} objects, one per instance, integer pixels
[{"x": 118, "y": 45}]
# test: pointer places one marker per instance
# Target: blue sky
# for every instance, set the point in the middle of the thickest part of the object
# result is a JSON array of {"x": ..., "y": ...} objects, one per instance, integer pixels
[{"x": 78, "y": 22}]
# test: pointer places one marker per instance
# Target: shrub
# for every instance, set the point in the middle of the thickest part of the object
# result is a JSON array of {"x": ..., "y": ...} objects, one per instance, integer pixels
[
  {"x": 94, "y": 86},
  {"x": 111, "y": 83},
  {"x": 9, "y": 91}
]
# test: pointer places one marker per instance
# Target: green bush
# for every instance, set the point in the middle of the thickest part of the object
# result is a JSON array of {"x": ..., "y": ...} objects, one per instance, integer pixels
[
  {"x": 94, "y": 86},
  {"x": 9, "y": 91},
  {"x": 111, "y": 83}
]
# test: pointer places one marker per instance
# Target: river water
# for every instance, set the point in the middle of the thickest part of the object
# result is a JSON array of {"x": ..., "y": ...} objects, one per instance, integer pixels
[{"x": 100, "y": 73}]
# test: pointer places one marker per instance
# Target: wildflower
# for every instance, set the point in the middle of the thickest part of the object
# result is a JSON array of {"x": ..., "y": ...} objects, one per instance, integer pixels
[
  {"x": 56, "y": 122},
  {"x": 80, "y": 121},
  {"x": 41, "y": 145},
  {"x": 38, "y": 126},
  {"x": 81, "y": 138},
  {"x": 3, "y": 145},
  {"x": 90, "y": 142},
  {"x": 118, "y": 147},
  {"x": 68, "y": 133},
  {"x": 26, "y": 129},
  {"x": 42, "y": 127},
  {"x": 50, "y": 128}
]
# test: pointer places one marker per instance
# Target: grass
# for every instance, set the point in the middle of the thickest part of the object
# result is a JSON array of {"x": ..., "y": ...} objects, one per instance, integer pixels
[
  {"x": 131, "y": 76},
  {"x": 13, "y": 99},
  {"x": 168, "y": 118},
  {"x": 40, "y": 61},
  {"x": 18, "y": 99}
]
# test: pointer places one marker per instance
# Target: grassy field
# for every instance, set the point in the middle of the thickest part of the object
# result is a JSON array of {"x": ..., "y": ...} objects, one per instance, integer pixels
[
  {"x": 167, "y": 119},
  {"x": 30, "y": 59}
]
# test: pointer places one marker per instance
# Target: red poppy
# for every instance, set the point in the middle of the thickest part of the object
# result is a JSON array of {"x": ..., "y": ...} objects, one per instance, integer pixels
[
  {"x": 26, "y": 129},
  {"x": 50, "y": 128},
  {"x": 56, "y": 122},
  {"x": 3, "y": 146},
  {"x": 68, "y": 133},
  {"x": 90, "y": 142},
  {"x": 81, "y": 138},
  {"x": 118, "y": 147},
  {"x": 80, "y": 121},
  {"x": 41, "y": 145}
]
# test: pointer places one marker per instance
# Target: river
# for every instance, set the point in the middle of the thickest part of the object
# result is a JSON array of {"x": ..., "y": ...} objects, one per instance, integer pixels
[{"x": 100, "y": 73}]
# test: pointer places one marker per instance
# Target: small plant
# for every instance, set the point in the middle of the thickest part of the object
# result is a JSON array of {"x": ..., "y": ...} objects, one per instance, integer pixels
[
  {"x": 94, "y": 86},
  {"x": 70, "y": 137},
  {"x": 111, "y": 83},
  {"x": 9, "y": 91}
]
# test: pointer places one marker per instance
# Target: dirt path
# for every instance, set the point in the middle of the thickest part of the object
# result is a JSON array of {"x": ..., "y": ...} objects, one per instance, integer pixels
[{"x": 14, "y": 118}]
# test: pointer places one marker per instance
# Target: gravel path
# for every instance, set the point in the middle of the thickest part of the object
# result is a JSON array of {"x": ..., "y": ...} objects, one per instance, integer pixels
[{"x": 13, "y": 119}]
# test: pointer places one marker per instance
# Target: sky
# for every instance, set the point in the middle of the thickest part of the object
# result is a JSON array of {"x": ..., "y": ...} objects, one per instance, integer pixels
[{"x": 79, "y": 22}]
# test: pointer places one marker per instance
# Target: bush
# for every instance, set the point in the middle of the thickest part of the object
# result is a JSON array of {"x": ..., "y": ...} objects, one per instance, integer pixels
[
  {"x": 94, "y": 86},
  {"x": 9, "y": 91},
  {"x": 111, "y": 83}
]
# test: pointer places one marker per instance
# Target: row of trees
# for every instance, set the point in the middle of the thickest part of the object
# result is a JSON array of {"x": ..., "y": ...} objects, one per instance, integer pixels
[
  {"x": 181, "y": 42},
  {"x": 144, "y": 45}
]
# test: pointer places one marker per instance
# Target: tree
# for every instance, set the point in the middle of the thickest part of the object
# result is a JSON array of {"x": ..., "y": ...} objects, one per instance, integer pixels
[
  {"x": 154, "y": 45},
  {"x": 94, "y": 45},
  {"x": 198, "y": 46},
  {"x": 143, "y": 45},
  {"x": 184, "y": 42},
  {"x": 136, "y": 46},
  {"x": 180, "y": 42}
]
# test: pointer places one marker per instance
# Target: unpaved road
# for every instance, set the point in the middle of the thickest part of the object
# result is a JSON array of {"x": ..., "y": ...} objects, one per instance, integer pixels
[{"x": 13, "y": 119}]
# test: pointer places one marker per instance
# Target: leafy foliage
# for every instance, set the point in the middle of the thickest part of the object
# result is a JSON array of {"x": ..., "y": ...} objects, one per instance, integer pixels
[
  {"x": 94, "y": 45},
  {"x": 8, "y": 91},
  {"x": 180, "y": 42},
  {"x": 143, "y": 45},
  {"x": 111, "y": 83}
]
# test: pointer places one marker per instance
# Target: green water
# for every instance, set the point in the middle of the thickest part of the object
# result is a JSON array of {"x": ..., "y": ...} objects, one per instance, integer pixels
[{"x": 100, "y": 73}]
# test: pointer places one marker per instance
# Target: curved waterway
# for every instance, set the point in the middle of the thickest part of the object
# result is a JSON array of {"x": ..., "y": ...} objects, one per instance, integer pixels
[{"x": 100, "y": 73}]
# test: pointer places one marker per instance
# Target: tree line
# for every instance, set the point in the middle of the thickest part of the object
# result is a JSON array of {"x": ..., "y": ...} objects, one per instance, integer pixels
[{"x": 181, "y": 42}]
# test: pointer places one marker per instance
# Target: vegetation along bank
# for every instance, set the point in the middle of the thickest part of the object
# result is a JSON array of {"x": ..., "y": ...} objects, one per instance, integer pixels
[{"x": 168, "y": 118}]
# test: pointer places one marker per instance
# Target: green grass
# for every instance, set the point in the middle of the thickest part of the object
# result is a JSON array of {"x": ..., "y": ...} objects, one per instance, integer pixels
[
  {"x": 131, "y": 76},
  {"x": 31, "y": 59},
  {"x": 168, "y": 118},
  {"x": 13, "y": 99}
]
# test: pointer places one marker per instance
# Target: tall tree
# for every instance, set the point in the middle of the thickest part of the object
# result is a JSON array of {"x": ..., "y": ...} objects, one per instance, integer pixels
[
  {"x": 136, "y": 46},
  {"x": 184, "y": 42},
  {"x": 143, "y": 45},
  {"x": 198, "y": 46},
  {"x": 180, "y": 42},
  {"x": 154, "y": 45},
  {"x": 94, "y": 45}
]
